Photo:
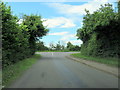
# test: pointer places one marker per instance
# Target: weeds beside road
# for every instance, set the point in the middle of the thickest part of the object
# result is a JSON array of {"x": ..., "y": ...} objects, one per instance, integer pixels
[
  {"x": 108, "y": 61},
  {"x": 12, "y": 72}
]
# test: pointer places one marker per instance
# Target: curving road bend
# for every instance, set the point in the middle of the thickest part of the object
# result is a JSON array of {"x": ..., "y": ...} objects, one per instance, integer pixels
[{"x": 54, "y": 70}]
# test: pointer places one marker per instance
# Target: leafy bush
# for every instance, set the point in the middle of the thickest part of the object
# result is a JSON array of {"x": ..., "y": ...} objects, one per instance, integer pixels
[
  {"x": 100, "y": 33},
  {"x": 19, "y": 40}
]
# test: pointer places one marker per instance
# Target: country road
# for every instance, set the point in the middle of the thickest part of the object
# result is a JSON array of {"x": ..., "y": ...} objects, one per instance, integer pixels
[{"x": 54, "y": 70}]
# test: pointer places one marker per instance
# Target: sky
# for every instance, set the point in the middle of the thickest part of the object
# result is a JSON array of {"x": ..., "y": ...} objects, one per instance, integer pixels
[{"x": 63, "y": 18}]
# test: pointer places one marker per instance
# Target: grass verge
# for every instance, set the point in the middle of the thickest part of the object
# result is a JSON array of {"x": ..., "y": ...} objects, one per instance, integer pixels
[
  {"x": 108, "y": 61},
  {"x": 14, "y": 71}
]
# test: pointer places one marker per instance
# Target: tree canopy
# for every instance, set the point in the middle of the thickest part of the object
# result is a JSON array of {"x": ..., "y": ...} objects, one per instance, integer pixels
[
  {"x": 100, "y": 32},
  {"x": 35, "y": 29},
  {"x": 19, "y": 40},
  {"x": 72, "y": 47}
]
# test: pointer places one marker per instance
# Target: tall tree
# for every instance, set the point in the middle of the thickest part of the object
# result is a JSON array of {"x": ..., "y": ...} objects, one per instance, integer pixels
[
  {"x": 58, "y": 46},
  {"x": 100, "y": 32},
  {"x": 19, "y": 40},
  {"x": 69, "y": 45},
  {"x": 40, "y": 46},
  {"x": 14, "y": 44},
  {"x": 35, "y": 29},
  {"x": 52, "y": 46}
]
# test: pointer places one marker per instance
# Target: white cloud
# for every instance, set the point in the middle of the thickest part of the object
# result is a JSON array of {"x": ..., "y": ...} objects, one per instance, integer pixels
[
  {"x": 58, "y": 33},
  {"x": 20, "y": 21},
  {"x": 44, "y": 0},
  {"x": 60, "y": 22},
  {"x": 67, "y": 37},
  {"x": 75, "y": 42},
  {"x": 71, "y": 38},
  {"x": 78, "y": 9},
  {"x": 49, "y": 0}
]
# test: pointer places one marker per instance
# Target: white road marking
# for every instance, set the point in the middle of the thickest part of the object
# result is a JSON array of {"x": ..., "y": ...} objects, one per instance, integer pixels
[{"x": 52, "y": 53}]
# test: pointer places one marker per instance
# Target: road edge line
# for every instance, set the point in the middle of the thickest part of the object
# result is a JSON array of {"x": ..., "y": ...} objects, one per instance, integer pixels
[{"x": 78, "y": 60}]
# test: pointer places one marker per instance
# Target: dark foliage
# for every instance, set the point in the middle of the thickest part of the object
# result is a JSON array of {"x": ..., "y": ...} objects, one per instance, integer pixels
[
  {"x": 72, "y": 47},
  {"x": 101, "y": 33},
  {"x": 18, "y": 40}
]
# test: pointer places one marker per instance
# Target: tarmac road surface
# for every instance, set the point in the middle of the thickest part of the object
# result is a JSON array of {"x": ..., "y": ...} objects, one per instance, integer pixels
[{"x": 54, "y": 70}]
